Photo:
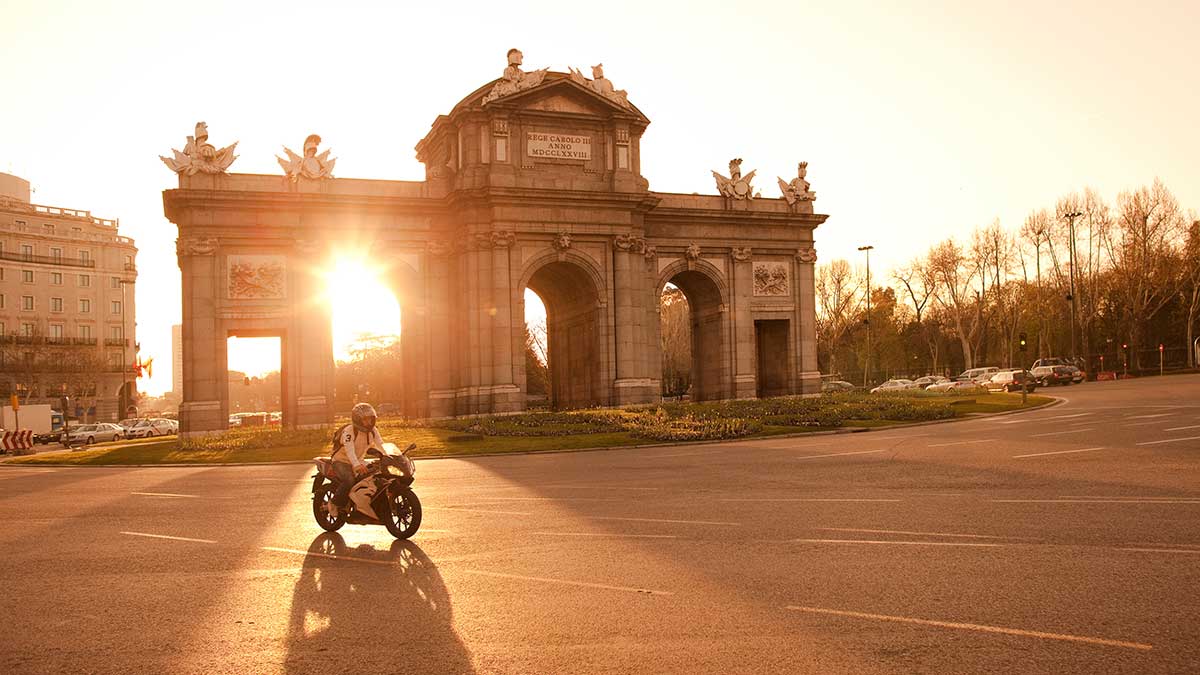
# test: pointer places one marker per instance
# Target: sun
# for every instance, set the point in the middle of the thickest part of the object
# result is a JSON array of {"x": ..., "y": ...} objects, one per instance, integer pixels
[{"x": 363, "y": 306}]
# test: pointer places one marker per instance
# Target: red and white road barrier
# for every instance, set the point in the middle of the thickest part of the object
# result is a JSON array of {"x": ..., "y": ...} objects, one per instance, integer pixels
[{"x": 17, "y": 442}]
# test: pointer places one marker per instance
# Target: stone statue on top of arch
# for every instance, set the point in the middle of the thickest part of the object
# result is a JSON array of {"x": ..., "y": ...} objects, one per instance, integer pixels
[
  {"x": 514, "y": 79},
  {"x": 798, "y": 189}
]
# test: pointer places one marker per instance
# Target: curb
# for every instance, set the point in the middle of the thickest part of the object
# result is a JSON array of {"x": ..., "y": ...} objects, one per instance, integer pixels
[{"x": 520, "y": 453}]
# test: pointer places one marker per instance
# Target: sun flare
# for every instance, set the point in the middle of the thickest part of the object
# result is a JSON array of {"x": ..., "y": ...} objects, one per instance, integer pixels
[{"x": 362, "y": 304}]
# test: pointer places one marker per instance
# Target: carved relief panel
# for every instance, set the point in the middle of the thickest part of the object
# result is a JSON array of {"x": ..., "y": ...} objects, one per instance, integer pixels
[
  {"x": 771, "y": 279},
  {"x": 257, "y": 277}
]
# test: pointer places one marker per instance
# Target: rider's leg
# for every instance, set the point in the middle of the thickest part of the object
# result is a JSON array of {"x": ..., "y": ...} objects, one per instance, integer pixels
[{"x": 345, "y": 481}]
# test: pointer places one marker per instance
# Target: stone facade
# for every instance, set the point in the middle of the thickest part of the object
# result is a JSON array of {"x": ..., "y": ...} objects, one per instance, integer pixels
[{"x": 539, "y": 187}]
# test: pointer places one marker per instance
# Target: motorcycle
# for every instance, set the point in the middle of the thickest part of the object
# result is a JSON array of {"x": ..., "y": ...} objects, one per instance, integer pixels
[{"x": 382, "y": 496}]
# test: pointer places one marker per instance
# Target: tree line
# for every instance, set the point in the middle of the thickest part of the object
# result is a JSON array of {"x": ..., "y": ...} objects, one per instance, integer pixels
[{"x": 966, "y": 302}]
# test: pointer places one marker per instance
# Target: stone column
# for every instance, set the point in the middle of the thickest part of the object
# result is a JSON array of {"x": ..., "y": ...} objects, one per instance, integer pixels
[
  {"x": 807, "y": 372},
  {"x": 741, "y": 291},
  {"x": 440, "y": 337},
  {"x": 205, "y": 405},
  {"x": 308, "y": 346},
  {"x": 506, "y": 393},
  {"x": 630, "y": 383}
]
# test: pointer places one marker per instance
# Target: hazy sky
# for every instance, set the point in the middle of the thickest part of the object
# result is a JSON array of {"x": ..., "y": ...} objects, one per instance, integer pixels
[{"x": 919, "y": 120}]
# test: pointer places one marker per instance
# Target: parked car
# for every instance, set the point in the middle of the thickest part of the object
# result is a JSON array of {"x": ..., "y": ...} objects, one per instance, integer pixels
[
  {"x": 86, "y": 434},
  {"x": 153, "y": 427},
  {"x": 978, "y": 375},
  {"x": 1077, "y": 375},
  {"x": 834, "y": 386},
  {"x": 894, "y": 385},
  {"x": 1012, "y": 380},
  {"x": 923, "y": 382},
  {"x": 955, "y": 386},
  {"x": 1049, "y": 376}
]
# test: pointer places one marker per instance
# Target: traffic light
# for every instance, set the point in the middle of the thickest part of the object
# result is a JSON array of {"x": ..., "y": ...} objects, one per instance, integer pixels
[{"x": 1024, "y": 345}]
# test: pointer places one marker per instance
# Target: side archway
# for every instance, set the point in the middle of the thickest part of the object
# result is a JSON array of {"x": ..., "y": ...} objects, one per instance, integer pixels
[{"x": 704, "y": 288}]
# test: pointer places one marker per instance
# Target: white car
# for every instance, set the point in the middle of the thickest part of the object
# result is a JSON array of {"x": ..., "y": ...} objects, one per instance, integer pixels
[
  {"x": 158, "y": 426},
  {"x": 894, "y": 385},
  {"x": 978, "y": 375},
  {"x": 955, "y": 386},
  {"x": 87, "y": 434}
]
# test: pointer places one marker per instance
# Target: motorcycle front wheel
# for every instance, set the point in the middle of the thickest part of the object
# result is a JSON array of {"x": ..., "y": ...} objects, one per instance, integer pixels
[
  {"x": 321, "y": 500},
  {"x": 404, "y": 518}
]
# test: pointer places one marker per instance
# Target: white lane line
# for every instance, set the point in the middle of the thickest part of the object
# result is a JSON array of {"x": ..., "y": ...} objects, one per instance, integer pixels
[
  {"x": 1060, "y": 433},
  {"x": 162, "y": 494},
  {"x": 976, "y": 627},
  {"x": 1095, "y": 501},
  {"x": 330, "y": 556},
  {"x": 842, "y": 454},
  {"x": 1056, "y": 452},
  {"x": 566, "y": 582},
  {"x": 804, "y": 499},
  {"x": 1171, "y": 440},
  {"x": 897, "y": 542},
  {"x": 929, "y": 534},
  {"x": 1162, "y": 550},
  {"x": 594, "y": 487},
  {"x": 1142, "y": 417},
  {"x": 943, "y": 445},
  {"x": 606, "y": 534},
  {"x": 548, "y": 499},
  {"x": 680, "y": 454},
  {"x": 1147, "y": 497},
  {"x": 664, "y": 520},
  {"x": 465, "y": 510},
  {"x": 1191, "y": 426},
  {"x": 164, "y": 536},
  {"x": 1140, "y": 424},
  {"x": 892, "y": 438},
  {"x": 1046, "y": 419}
]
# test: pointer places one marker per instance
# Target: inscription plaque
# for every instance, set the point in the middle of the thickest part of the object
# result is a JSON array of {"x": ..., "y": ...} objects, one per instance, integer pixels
[{"x": 542, "y": 145}]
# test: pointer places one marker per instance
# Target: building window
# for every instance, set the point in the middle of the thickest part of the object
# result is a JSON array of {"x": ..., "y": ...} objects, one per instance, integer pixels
[
  {"x": 85, "y": 255},
  {"x": 114, "y": 359},
  {"x": 116, "y": 332},
  {"x": 1, "y": 301},
  {"x": 56, "y": 254},
  {"x": 116, "y": 306},
  {"x": 56, "y": 278},
  {"x": 56, "y": 305},
  {"x": 1, "y": 268},
  {"x": 1, "y": 328},
  {"x": 56, "y": 330},
  {"x": 85, "y": 331},
  {"x": 27, "y": 251},
  {"x": 128, "y": 262},
  {"x": 85, "y": 306},
  {"x": 27, "y": 276},
  {"x": 48, "y": 228},
  {"x": 85, "y": 280},
  {"x": 115, "y": 282},
  {"x": 27, "y": 329},
  {"x": 27, "y": 303}
]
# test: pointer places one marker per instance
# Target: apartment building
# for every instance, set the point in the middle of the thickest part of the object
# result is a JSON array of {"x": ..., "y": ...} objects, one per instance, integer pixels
[{"x": 67, "y": 314}]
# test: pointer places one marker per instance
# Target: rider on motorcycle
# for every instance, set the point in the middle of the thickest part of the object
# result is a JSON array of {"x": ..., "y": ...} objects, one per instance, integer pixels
[{"x": 350, "y": 449}]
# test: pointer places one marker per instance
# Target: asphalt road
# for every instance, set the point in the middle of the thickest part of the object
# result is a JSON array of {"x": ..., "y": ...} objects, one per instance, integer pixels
[{"x": 1066, "y": 540}]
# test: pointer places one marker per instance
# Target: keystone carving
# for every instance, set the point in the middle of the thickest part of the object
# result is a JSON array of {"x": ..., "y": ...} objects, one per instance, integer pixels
[
  {"x": 740, "y": 254},
  {"x": 692, "y": 252},
  {"x": 807, "y": 255},
  {"x": 562, "y": 242}
]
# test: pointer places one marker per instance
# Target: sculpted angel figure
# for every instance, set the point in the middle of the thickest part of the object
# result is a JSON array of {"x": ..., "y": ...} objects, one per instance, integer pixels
[
  {"x": 199, "y": 156},
  {"x": 735, "y": 187},
  {"x": 514, "y": 79},
  {"x": 311, "y": 165},
  {"x": 798, "y": 189}
]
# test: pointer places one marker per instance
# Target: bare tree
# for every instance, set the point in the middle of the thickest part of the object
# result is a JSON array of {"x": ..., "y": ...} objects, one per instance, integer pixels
[
  {"x": 955, "y": 277},
  {"x": 1190, "y": 289},
  {"x": 920, "y": 286},
  {"x": 676, "y": 317},
  {"x": 838, "y": 298}
]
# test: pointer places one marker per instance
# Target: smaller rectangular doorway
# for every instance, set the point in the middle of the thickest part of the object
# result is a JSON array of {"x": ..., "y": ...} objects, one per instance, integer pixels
[{"x": 773, "y": 355}]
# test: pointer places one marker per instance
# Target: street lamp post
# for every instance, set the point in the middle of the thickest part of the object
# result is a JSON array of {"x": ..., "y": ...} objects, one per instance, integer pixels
[
  {"x": 1071, "y": 216},
  {"x": 867, "y": 366},
  {"x": 126, "y": 397}
]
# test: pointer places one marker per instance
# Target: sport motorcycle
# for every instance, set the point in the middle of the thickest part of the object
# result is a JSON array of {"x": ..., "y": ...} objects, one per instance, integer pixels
[{"x": 383, "y": 495}]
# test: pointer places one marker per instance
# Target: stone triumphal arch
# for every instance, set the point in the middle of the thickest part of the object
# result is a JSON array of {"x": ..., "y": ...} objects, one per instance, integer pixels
[{"x": 532, "y": 181}]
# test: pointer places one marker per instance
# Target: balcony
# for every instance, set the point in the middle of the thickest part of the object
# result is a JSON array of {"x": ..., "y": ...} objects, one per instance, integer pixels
[
  {"x": 84, "y": 341},
  {"x": 116, "y": 342},
  {"x": 47, "y": 260}
]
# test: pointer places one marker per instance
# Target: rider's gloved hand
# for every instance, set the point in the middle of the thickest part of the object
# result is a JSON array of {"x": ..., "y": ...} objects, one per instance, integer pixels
[{"x": 359, "y": 470}]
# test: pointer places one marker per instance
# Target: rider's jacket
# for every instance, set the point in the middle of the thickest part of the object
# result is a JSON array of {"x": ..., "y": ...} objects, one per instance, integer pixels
[{"x": 354, "y": 445}]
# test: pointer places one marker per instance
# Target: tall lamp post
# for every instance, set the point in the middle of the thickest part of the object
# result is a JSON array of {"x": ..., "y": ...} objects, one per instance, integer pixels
[
  {"x": 1070, "y": 217},
  {"x": 126, "y": 397},
  {"x": 867, "y": 367}
]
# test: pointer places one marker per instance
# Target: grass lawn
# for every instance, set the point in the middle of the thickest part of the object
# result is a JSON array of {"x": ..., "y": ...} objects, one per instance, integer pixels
[{"x": 531, "y": 432}]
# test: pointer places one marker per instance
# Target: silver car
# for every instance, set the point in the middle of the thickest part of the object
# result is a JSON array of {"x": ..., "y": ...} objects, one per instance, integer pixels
[{"x": 86, "y": 434}]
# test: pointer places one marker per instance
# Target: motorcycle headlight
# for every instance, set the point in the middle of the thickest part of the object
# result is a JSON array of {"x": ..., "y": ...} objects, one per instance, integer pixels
[{"x": 394, "y": 470}]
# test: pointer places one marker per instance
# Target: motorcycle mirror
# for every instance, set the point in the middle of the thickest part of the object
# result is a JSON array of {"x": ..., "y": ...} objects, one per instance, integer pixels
[{"x": 410, "y": 448}]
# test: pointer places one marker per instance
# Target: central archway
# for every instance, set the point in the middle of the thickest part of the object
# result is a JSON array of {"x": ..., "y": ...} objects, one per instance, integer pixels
[
  {"x": 710, "y": 372},
  {"x": 575, "y": 347}
]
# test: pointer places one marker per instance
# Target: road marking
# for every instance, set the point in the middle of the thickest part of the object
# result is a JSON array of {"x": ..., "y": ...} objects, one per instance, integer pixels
[
  {"x": 1162, "y": 550},
  {"x": 942, "y": 445},
  {"x": 164, "y": 536},
  {"x": 891, "y": 438},
  {"x": 841, "y": 454},
  {"x": 1192, "y": 426},
  {"x": 330, "y": 556},
  {"x": 930, "y": 534},
  {"x": 548, "y": 499},
  {"x": 805, "y": 499},
  {"x": 1151, "y": 497},
  {"x": 606, "y": 534},
  {"x": 565, "y": 582},
  {"x": 680, "y": 454},
  {"x": 1140, "y": 424},
  {"x": 1046, "y": 419},
  {"x": 162, "y": 494},
  {"x": 1095, "y": 501},
  {"x": 456, "y": 508},
  {"x": 976, "y": 627},
  {"x": 1142, "y": 417},
  {"x": 665, "y": 520},
  {"x": 898, "y": 542},
  {"x": 1056, "y": 452},
  {"x": 1171, "y": 440},
  {"x": 595, "y": 487},
  {"x": 1059, "y": 433}
]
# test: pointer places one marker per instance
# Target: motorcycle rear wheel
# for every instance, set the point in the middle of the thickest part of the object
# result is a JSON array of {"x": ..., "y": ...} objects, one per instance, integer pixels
[
  {"x": 404, "y": 516},
  {"x": 321, "y": 499}
]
